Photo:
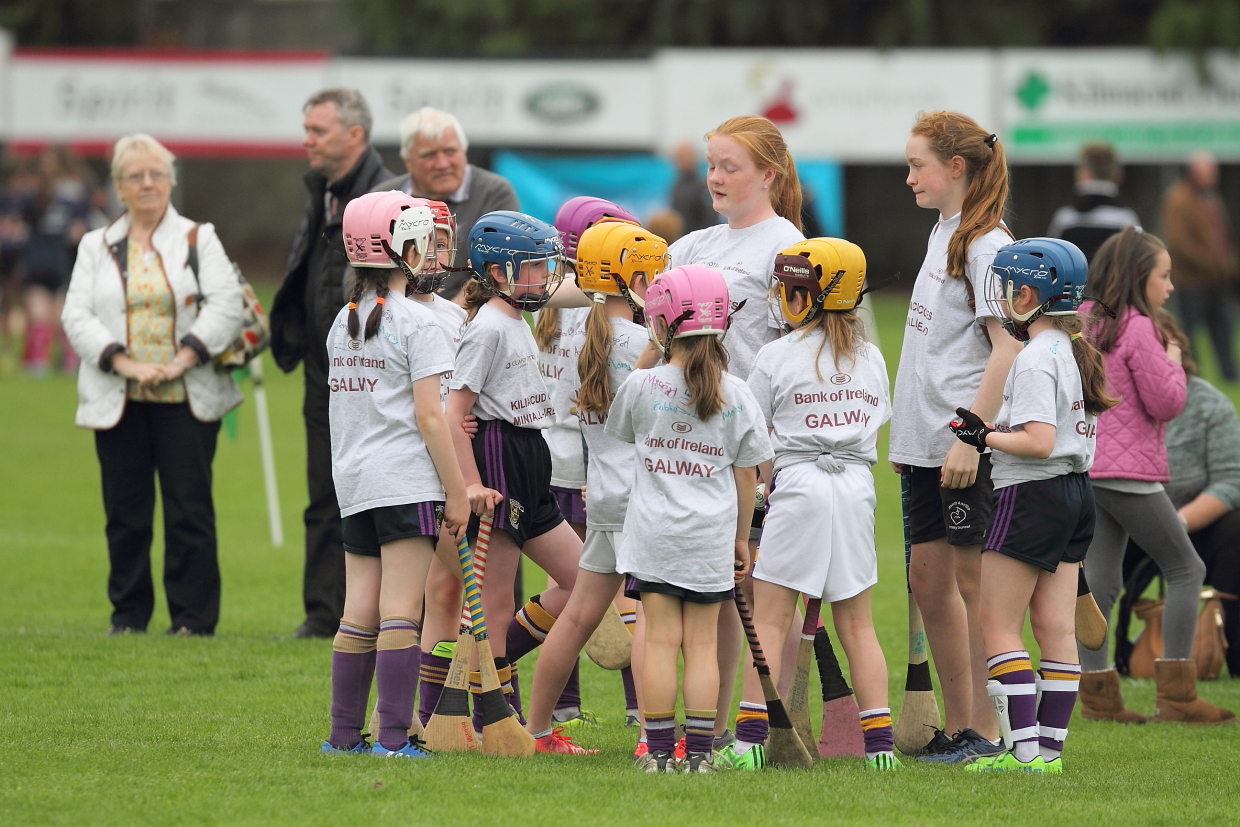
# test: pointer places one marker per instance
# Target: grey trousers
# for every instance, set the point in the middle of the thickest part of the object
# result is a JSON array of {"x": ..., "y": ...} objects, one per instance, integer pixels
[{"x": 1150, "y": 519}]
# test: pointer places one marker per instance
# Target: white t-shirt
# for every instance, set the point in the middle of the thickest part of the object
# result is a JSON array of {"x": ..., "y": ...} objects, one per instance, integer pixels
[
  {"x": 379, "y": 457},
  {"x": 681, "y": 524},
  {"x": 839, "y": 414},
  {"x": 1044, "y": 385},
  {"x": 945, "y": 348},
  {"x": 556, "y": 363},
  {"x": 610, "y": 460},
  {"x": 451, "y": 318},
  {"x": 498, "y": 360},
  {"x": 747, "y": 259}
]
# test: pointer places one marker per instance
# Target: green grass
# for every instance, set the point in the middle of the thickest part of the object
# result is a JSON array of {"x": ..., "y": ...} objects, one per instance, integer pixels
[{"x": 148, "y": 729}]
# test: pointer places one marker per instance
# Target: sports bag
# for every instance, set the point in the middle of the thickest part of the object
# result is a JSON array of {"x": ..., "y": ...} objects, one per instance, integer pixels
[
  {"x": 255, "y": 335},
  {"x": 1209, "y": 642}
]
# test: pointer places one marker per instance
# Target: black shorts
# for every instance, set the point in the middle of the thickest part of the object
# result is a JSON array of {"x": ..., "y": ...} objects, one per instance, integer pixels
[
  {"x": 959, "y": 514},
  {"x": 366, "y": 531},
  {"x": 1044, "y": 522},
  {"x": 517, "y": 463},
  {"x": 633, "y": 589}
]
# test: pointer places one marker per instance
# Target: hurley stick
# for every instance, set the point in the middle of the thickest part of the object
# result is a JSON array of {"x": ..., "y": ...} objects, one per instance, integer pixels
[
  {"x": 798, "y": 696},
  {"x": 502, "y": 733},
  {"x": 611, "y": 645},
  {"x": 450, "y": 728},
  {"x": 919, "y": 711},
  {"x": 1091, "y": 626},
  {"x": 784, "y": 747}
]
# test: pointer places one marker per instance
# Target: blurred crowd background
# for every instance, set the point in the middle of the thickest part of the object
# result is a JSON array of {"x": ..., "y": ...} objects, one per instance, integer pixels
[{"x": 53, "y": 191}]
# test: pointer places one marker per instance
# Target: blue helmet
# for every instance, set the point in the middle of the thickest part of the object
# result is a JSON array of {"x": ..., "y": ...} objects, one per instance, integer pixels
[
  {"x": 512, "y": 239},
  {"x": 1057, "y": 269}
]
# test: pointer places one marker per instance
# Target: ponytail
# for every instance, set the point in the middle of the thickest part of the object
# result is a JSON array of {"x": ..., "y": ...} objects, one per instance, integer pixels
[
  {"x": 705, "y": 363},
  {"x": 985, "y": 200},
  {"x": 767, "y": 149},
  {"x": 843, "y": 329},
  {"x": 368, "y": 278},
  {"x": 475, "y": 296},
  {"x": 594, "y": 395},
  {"x": 1090, "y": 365},
  {"x": 546, "y": 327}
]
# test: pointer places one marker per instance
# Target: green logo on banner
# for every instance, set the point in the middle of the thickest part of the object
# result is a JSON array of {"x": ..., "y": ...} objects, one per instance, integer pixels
[{"x": 1033, "y": 91}]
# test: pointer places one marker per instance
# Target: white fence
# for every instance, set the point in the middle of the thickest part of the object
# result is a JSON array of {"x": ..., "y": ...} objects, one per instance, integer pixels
[{"x": 853, "y": 105}]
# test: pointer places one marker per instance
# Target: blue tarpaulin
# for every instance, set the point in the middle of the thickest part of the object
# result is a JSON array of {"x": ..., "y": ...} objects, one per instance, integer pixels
[{"x": 640, "y": 183}]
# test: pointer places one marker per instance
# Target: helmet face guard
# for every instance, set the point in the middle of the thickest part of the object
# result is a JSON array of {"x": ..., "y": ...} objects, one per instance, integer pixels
[
  {"x": 1055, "y": 269},
  {"x": 613, "y": 255},
  {"x": 831, "y": 271},
  {"x": 691, "y": 300},
  {"x": 432, "y": 276},
  {"x": 519, "y": 244}
]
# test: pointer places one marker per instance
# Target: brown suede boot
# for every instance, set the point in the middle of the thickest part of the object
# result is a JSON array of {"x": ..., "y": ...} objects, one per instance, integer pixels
[
  {"x": 1101, "y": 700},
  {"x": 1177, "y": 701}
]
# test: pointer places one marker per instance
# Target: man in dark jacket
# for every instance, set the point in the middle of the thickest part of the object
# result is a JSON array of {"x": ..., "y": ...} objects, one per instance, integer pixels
[
  {"x": 433, "y": 147},
  {"x": 1096, "y": 212},
  {"x": 343, "y": 165}
]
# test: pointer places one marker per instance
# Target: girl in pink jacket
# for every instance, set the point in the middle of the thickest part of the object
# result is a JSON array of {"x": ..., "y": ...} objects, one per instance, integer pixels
[{"x": 1131, "y": 275}]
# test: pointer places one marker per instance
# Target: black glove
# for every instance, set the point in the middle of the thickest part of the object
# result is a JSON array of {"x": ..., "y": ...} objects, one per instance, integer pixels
[{"x": 970, "y": 429}]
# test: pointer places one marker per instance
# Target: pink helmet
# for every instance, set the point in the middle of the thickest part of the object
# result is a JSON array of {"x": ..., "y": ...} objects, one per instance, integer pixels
[
  {"x": 692, "y": 300},
  {"x": 378, "y": 225},
  {"x": 576, "y": 215}
]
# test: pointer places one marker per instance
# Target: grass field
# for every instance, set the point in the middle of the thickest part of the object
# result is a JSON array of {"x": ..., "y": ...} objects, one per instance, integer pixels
[{"x": 151, "y": 729}]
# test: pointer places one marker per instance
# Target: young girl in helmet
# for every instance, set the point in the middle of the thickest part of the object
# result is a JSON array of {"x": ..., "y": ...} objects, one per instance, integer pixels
[
  {"x": 517, "y": 262},
  {"x": 554, "y": 332},
  {"x": 823, "y": 389},
  {"x": 393, "y": 465},
  {"x": 954, "y": 349},
  {"x": 699, "y": 438},
  {"x": 442, "y": 608},
  {"x": 615, "y": 262},
  {"x": 1043, "y": 519}
]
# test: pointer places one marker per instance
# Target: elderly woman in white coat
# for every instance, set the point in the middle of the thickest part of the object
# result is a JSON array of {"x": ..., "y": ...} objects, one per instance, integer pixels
[{"x": 147, "y": 328}]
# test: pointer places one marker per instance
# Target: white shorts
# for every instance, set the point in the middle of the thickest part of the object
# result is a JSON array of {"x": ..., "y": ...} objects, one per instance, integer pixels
[
  {"x": 598, "y": 552},
  {"x": 819, "y": 533}
]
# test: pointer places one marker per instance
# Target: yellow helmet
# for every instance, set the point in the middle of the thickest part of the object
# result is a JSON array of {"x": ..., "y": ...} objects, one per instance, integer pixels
[
  {"x": 830, "y": 270},
  {"x": 611, "y": 254}
]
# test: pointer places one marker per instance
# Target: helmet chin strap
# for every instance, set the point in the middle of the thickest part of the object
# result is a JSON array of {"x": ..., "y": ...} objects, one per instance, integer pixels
[
  {"x": 410, "y": 274},
  {"x": 636, "y": 303},
  {"x": 1017, "y": 324}
]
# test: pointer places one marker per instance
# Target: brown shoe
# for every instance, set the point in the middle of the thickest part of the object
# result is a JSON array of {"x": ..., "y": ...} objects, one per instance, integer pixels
[
  {"x": 1177, "y": 701},
  {"x": 1101, "y": 700}
]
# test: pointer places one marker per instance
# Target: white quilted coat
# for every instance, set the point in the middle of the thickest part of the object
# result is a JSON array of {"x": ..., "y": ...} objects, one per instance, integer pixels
[{"x": 95, "y": 316}]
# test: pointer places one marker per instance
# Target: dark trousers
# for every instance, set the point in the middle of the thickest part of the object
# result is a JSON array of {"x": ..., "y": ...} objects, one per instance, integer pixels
[
  {"x": 1211, "y": 307},
  {"x": 159, "y": 439},
  {"x": 323, "y": 582},
  {"x": 1218, "y": 545}
]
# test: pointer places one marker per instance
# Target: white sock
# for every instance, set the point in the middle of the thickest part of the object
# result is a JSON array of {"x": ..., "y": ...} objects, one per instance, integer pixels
[
  {"x": 742, "y": 747},
  {"x": 1025, "y": 751}
]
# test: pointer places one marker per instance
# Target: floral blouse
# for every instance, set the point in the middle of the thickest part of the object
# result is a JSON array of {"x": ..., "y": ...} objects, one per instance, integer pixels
[{"x": 152, "y": 315}]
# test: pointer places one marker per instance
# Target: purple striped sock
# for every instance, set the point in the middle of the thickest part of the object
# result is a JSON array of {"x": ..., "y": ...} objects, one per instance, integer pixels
[
  {"x": 699, "y": 730},
  {"x": 661, "y": 730},
  {"x": 1058, "y": 683},
  {"x": 752, "y": 725},
  {"x": 434, "y": 672},
  {"x": 352, "y": 672},
  {"x": 630, "y": 690},
  {"x": 396, "y": 669},
  {"x": 1013, "y": 669},
  {"x": 876, "y": 730}
]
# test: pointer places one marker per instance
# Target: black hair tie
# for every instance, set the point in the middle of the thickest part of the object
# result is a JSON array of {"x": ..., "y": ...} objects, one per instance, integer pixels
[{"x": 990, "y": 140}]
